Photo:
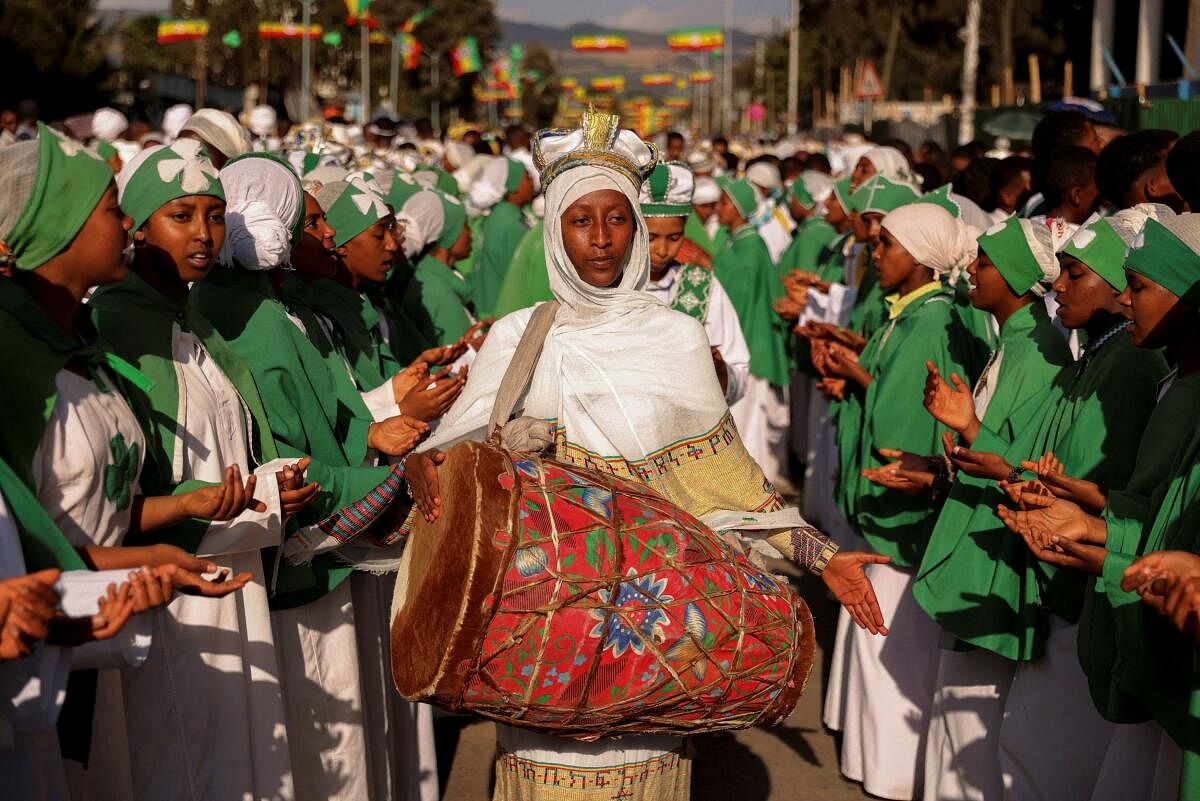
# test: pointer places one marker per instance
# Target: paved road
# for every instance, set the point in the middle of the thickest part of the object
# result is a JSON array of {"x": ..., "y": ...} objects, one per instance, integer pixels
[{"x": 793, "y": 762}]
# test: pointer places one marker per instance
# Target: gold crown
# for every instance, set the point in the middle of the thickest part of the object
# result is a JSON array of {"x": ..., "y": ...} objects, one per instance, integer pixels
[{"x": 597, "y": 141}]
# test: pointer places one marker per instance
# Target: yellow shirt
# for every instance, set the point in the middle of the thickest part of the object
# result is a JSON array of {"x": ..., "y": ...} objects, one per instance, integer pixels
[{"x": 897, "y": 304}]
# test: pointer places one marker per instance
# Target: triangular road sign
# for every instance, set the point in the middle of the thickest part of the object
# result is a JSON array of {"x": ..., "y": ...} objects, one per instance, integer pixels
[{"x": 868, "y": 87}]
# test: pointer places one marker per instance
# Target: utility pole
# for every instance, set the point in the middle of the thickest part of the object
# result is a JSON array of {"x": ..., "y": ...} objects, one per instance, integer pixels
[
  {"x": 305, "y": 60},
  {"x": 793, "y": 88},
  {"x": 889, "y": 56},
  {"x": 966, "y": 122},
  {"x": 394, "y": 83},
  {"x": 435, "y": 105},
  {"x": 727, "y": 73},
  {"x": 365, "y": 57}
]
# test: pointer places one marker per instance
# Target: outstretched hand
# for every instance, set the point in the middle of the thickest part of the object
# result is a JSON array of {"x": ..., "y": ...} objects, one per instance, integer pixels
[
  {"x": 294, "y": 494},
  {"x": 907, "y": 473},
  {"x": 396, "y": 436},
  {"x": 1054, "y": 478},
  {"x": 420, "y": 471},
  {"x": 223, "y": 501},
  {"x": 953, "y": 407},
  {"x": 847, "y": 580},
  {"x": 980, "y": 464},
  {"x": 27, "y": 605}
]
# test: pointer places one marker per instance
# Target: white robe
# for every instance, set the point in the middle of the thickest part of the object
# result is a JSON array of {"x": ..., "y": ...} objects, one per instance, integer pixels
[{"x": 720, "y": 324}]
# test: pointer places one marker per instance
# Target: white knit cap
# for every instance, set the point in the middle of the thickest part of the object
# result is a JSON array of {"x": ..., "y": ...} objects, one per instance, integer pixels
[
  {"x": 706, "y": 191},
  {"x": 174, "y": 119},
  {"x": 108, "y": 124},
  {"x": 764, "y": 176},
  {"x": 1128, "y": 223},
  {"x": 261, "y": 121}
]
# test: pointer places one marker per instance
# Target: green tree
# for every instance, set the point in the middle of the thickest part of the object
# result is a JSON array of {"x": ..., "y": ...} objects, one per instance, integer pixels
[
  {"x": 540, "y": 89},
  {"x": 52, "y": 51}
]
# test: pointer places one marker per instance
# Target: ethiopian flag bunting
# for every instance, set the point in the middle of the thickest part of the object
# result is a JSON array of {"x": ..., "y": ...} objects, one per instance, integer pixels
[
  {"x": 181, "y": 30},
  {"x": 600, "y": 41},
  {"x": 658, "y": 79},
  {"x": 464, "y": 58},
  {"x": 696, "y": 39},
  {"x": 412, "y": 22},
  {"x": 279, "y": 30},
  {"x": 677, "y": 102},
  {"x": 702, "y": 76},
  {"x": 410, "y": 51},
  {"x": 609, "y": 83}
]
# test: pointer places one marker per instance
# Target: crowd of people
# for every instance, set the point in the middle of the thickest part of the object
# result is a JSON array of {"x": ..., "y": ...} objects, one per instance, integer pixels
[{"x": 235, "y": 350}]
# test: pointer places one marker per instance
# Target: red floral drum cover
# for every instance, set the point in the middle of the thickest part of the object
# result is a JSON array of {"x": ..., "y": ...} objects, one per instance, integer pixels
[{"x": 582, "y": 604}]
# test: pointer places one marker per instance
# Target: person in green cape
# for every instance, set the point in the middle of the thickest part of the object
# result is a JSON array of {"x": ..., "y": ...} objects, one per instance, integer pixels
[
  {"x": 981, "y": 584},
  {"x": 365, "y": 242},
  {"x": 439, "y": 297},
  {"x": 688, "y": 288},
  {"x": 747, "y": 274},
  {"x": 527, "y": 282},
  {"x": 1137, "y": 668},
  {"x": 703, "y": 226},
  {"x": 806, "y": 198},
  {"x": 962, "y": 757},
  {"x": 889, "y": 687},
  {"x": 504, "y": 188},
  {"x": 195, "y": 426},
  {"x": 68, "y": 437},
  {"x": 314, "y": 410}
]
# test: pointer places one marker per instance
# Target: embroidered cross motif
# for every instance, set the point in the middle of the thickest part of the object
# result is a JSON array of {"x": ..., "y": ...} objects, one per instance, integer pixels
[{"x": 119, "y": 476}]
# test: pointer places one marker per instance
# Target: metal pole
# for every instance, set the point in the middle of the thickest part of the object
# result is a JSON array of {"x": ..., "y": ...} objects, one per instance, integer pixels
[
  {"x": 793, "y": 97},
  {"x": 305, "y": 61},
  {"x": 727, "y": 78},
  {"x": 435, "y": 105},
  {"x": 365, "y": 57},
  {"x": 394, "y": 84}
]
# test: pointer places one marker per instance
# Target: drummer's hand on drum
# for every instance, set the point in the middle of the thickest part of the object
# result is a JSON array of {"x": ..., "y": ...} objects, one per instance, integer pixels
[
  {"x": 846, "y": 579},
  {"x": 420, "y": 471}
]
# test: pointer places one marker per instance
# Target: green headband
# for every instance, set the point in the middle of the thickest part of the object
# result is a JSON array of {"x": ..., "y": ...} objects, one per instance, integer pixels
[
  {"x": 456, "y": 217},
  {"x": 743, "y": 195},
  {"x": 166, "y": 173},
  {"x": 660, "y": 198},
  {"x": 941, "y": 197},
  {"x": 882, "y": 196},
  {"x": 801, "y": 195},
  {"x": 1006, "y": 246},
  {"x": 403, "y": 187},
  {"x": 445, "y": 181},
  {"x": 353, "y": 208},
  {"x": 1166, "y": 260},
  {"x": 66, "y": 189},
  {"x": 841, "y": 190},
  {"x": 1098, "y": 246}
]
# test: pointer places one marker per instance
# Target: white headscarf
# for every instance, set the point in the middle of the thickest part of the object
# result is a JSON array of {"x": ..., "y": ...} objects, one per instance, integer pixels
[
  {"x": 706, "y": 191},
  {"x": 219, "y": 129},
  {"x": 890, "y": 163},
  {"x": 263, "y": 200},
  {"x": 933, "y": 236},
  {"x": 174, "y": 119},
  {"x": 489, "y": 187},
  {"x": 458, "y": 154},
  {"x": 424, "y": 218},
  {"x": 108, "y": 124},
  {"x": 261, "y": 121}
]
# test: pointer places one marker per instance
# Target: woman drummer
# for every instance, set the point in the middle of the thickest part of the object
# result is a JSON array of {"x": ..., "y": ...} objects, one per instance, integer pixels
[{"x": 621, "y": 378}]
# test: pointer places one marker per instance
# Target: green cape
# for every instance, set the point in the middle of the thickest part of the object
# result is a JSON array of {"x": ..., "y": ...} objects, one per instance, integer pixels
[
  {"x": 747, "y": 275},
  {"x": 500, "y": 235},
  {"x": 527, "y": 282}
]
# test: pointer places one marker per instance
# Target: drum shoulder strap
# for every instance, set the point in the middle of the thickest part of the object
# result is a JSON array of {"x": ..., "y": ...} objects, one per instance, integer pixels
[{"x": 519, "y": 372}]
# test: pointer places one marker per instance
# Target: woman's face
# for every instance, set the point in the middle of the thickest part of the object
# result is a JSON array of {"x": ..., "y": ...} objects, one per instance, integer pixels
[
  {"x": 835, "y": 213},
  {"x": 704, "y": 210},
  {"x": 860, "y": 227},
  {"x": 893, "y": 262},
  {"x": 727, "y": 213},
  {"x": 524, "y": 193},
  {"x": 1081, "y": 293},
  {"x": 313, "y": 255},
  {"x": 798, "y": 211},
  {"x": 666, "y": 238},
  {"x": 872, "y": 223},
  {"x": 597, "y": 230},
  {"x": 864, "y": 170},
  {"x": 183, "y": 238},
  {"x": 988, "y": 287},
  {"x": 462, "y": 246},
  {"x": 1157, "y": 313},
  {"x": 370, "y": 255},
  {"x": 99, "y": 247}
]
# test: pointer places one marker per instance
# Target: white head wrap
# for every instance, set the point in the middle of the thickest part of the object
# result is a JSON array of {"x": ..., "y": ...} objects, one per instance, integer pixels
[
  {"x": 174, "y": 119},
  {"x": 489, "y": 187},
  {"x": 932, "y": 236},
  {"x": 219, "y": 129},
  {"x": 890, "y": 163},
  {"x": 680, "y": 189},
  {"x": 427, "y": 216},
  {"x": 108, "y": 124},
  {"x": 538, "y": 206},
  {"x": 701, "y": 161},
  {"x": 818, "y": 184},
  {"x": 580, "y": 300},
  {"x": 1128, "y": 223},
  {"x": 764, "y": 176},
  {"x": 706, "y": 191},
  {"x": 261, "y": 121},
  {"x": 263, "y": 200},
  {"x": 458, "y": 154}
]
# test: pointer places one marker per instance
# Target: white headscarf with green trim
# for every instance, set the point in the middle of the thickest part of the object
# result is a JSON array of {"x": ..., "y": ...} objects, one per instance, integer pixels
[{"x": 158, "y": 175}]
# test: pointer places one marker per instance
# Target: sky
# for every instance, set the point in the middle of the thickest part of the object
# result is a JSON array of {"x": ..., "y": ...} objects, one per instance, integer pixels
[{"x": 754, "y": 16}]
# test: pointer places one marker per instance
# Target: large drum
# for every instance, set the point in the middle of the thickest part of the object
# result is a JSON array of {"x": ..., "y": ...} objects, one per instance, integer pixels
[{"x": 583, "y": 605}]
